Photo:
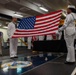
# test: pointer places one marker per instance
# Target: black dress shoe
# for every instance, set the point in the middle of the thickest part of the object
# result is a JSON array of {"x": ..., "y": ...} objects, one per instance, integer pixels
[
  {"x": 16, "y": 57},
  {"x": 13, "y": 57},
  {"x": 70, "y": 63}
]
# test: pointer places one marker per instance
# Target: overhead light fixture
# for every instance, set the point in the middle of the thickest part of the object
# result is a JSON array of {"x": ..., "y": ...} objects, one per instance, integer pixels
[
  {"x": 44, "y": 9},
  {"x": 17, "y": 15}
]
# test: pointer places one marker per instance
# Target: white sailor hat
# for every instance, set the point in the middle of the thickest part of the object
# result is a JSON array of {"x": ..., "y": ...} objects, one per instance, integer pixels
[
  {"x": 71, "y": 6},
  {"x": 15, "y": 16}
]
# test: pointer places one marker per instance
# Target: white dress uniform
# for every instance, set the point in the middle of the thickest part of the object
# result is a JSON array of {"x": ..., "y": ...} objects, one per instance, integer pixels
[
  {"x": 69, "y": 35},
  {"x": 1, "y": 38},
  {"x": 13, "y": 41},
  {"x": 41, "y": 38},
  {"x": 49, "y": 37},
  {"x": 60, "y": 35},
  {"x": 75, "y": 38},
  {"x": 0, "y": 46},
  {"x": 29, "y": 39}
]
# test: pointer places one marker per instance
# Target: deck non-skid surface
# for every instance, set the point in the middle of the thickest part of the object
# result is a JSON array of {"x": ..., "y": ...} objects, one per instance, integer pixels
[
  {"x": 55, "y": 67},
  {"x": 52, "y": 67},
  {"x": 36, "y": 61}
]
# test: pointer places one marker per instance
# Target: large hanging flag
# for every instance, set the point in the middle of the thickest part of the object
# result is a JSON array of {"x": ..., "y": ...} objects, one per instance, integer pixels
[{"x": 38, "y": 25}]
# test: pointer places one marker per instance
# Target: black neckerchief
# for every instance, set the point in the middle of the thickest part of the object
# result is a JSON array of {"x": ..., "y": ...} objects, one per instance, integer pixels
[{"x": 15, "y": 24}]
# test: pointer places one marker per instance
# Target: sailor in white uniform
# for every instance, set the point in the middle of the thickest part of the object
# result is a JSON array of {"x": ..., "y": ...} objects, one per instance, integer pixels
[
  {"x": 49, "y": 37},
  {"x": 41, "y": 38},
  {"x": 29, "y": 40},
  {"x": 69, "y": 33},
  {"x": 1, "y": 43},
  {"x": 13, "y": 41}
]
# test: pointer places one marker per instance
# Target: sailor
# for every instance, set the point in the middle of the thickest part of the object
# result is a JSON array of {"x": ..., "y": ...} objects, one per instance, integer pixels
[
  {"x": 41, "y": 38},
  {"x": 1, "y": 43},
  {"x": 49, "y": 37},
  {"x": 29, "y": 42},
  {"x": 13, "y": 41},
  {"x": 69, "y": 33},
  {"x": 61, "y": 34}
]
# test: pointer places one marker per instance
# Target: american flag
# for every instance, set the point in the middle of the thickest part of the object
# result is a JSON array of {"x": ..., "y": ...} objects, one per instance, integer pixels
[{"x": 45, "y": 24}]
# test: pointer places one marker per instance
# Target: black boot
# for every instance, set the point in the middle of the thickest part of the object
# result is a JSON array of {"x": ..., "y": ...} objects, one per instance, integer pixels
[{"x": 70, "y": 63}]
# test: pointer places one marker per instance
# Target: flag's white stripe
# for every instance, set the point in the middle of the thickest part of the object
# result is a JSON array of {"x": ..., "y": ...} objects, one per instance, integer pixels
[
  {"x": 44, "y": 17},
  {"x": 39, "y": 28},
  {"x": 47, "y": 23},
  {"x": 50, "y": 32},
  {"x": 37, "y": 22},
  {"x": 34, "y": 32}
]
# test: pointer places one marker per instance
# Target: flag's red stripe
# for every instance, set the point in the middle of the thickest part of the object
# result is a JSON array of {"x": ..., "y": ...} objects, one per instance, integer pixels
[
  {"x": 36, "y": 32},
  {"x": 47, "y": 21},
  {"x": 49, "y": 33},
  {"x": 49, "y": 14},
  {"x": 32, "y": 30},
  {"x": 36, "y": 29},
  {"x": 49, "y": 17},
  {"x": 46, "y": 24}
]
